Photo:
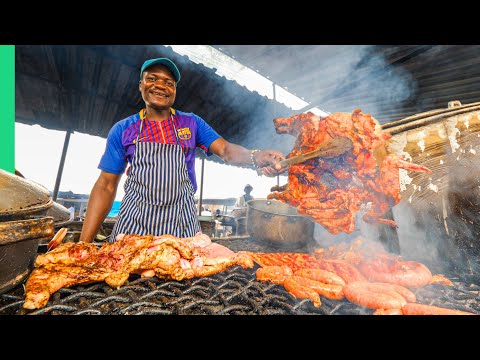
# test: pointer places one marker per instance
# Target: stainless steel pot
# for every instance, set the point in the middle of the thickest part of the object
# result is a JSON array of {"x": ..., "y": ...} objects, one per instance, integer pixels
[
  {"x": 60, "y": 214},
  {"x": 278, "y": 224}
]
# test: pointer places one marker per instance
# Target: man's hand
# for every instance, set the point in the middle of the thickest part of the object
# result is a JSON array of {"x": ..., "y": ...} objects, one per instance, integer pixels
[{"x": 269, "y": 162}]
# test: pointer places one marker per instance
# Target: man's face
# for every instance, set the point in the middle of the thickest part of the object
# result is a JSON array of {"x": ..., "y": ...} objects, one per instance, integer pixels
[{"x": 158, "y": 87}]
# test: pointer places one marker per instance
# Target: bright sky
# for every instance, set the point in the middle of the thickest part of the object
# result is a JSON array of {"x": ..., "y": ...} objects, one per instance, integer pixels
[{"x": 38, "y": 150}]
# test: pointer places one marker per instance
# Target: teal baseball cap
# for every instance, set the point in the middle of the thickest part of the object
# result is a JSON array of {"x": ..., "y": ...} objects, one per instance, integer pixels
[{"x": 163, "y": 61}]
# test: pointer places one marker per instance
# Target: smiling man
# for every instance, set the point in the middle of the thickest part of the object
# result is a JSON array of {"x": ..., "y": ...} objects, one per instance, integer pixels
[{"x": 156, "y": 149}]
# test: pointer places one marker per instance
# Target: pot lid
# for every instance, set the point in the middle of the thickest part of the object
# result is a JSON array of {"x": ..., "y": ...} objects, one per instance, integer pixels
[
  {"x": 60, "y": 214},
  {"x": 20, "y": 196}
]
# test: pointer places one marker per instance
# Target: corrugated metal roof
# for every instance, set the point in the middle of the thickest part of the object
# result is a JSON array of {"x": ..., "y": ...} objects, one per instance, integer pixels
[
  {"x": 88, "y": 88},
  {"x": 388, "y": 81}
]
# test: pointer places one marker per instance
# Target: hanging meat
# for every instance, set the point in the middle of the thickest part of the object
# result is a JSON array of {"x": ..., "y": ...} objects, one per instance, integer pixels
[{"x": 332, "y": 190}]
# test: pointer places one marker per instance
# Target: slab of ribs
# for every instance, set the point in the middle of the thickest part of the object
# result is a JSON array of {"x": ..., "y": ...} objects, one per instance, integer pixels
[{"x": 165, "y": 256}]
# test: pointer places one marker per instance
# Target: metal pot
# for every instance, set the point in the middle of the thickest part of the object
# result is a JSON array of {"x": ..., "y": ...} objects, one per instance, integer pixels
[
  {"x": 446, "y": 201},
  {"x": 278, "y": 224},
  {"x": 60, "y": 214},
  {"x": 19, "y": 248},
  {"x": 20, "y": 197}
]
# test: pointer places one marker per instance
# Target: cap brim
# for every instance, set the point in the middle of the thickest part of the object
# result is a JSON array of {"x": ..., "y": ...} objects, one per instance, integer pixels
[{"x": 165, "y": 62}]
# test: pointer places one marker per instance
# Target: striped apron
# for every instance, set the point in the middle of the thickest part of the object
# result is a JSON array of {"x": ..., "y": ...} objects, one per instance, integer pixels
[{"x": 159, "y": 196}]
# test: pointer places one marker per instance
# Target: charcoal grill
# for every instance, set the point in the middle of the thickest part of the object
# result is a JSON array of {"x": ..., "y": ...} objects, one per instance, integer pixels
[{"x": 234, "y": 291}]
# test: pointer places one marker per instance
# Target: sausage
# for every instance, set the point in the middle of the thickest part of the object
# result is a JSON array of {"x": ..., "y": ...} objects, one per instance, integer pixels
[
  {"x": 330, "y": 291},
  {"x": 406, "y": 293},
  {"x": 388, "y": 312},
  {"x": 422, "y": 309},
  {"x": 301, "y": 292},
  {"x": 441, "y": 280},
  {"x": 346, "y": 271},
  {"x": 274, "y": 274},
  {"x": 323, "y": 276},
  {"x": 373, "y": 296},
  {"x": 394, "y": 270}
]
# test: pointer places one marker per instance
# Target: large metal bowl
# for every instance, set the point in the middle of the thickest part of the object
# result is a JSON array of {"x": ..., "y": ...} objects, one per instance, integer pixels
[{"x": 277, "y": 224}]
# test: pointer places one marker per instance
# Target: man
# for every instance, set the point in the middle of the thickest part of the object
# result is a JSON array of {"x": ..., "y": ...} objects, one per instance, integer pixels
[
  {"x": 242, "y": 200},
  {"x": 158, "y": 144}
]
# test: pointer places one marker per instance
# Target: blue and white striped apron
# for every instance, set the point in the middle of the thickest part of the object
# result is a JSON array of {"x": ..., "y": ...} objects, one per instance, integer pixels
[{"x": 159, "y": 196}]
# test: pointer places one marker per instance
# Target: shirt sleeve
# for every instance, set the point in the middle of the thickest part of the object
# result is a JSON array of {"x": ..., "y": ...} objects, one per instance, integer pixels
[
  {"x": 114, "y": 159},
  {"x": 205, "y": 135}
]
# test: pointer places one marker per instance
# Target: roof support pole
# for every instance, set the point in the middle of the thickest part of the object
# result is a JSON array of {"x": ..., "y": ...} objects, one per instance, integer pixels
[
  {"x": 201, "y": 188},
  {"x": 274, "y": 116},
  {"x": 62, "y": 162}
]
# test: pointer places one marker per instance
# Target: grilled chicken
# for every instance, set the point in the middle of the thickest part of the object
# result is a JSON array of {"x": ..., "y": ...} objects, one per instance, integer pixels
[{"x": 331, "y": 191}]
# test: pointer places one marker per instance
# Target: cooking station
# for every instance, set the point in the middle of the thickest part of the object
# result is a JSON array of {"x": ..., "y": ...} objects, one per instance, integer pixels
[{"x": 234, "y": 291}]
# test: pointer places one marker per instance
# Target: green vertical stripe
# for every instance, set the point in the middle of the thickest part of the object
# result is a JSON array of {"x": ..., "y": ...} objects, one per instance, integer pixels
[{"x": 7, "y": 107}]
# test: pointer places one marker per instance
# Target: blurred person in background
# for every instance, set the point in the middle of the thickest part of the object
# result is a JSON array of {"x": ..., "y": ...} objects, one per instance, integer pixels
[
  {"x": 247, "y": 196},
  {"x": 240, "y": 209}
]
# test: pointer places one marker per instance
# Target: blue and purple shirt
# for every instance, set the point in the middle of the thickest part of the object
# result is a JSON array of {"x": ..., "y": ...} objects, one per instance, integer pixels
[{"x": 191, "y": 129}]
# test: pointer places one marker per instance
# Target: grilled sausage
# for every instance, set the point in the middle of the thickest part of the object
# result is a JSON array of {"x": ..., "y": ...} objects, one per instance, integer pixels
[
  {"x": 274, "y": 274},
  {"x": 388, "y": 312},
  {"x": 406, "y": 293},
  {"x": 421, "y": 309},
  {"x": 323, "y": 276},
  {"x": 330, "y": 291},
  {"x": 301, "y": 292},
  {"x": 373, "y": 296},
  {"x": 393, "y": 270},
  {"x": 346, "y": 271}
]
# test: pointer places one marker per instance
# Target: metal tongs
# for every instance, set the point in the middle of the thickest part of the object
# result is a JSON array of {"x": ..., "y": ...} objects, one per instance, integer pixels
[{"x": 328, "y": 149}]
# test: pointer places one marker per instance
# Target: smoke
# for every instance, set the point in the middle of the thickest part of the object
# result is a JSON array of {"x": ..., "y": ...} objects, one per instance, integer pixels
[
  {"x": 334, "y": 78},
  {"x": 415, "y": 242},
  {"x": 374, "y": 86},
  {"x": 341, "y": 78}
]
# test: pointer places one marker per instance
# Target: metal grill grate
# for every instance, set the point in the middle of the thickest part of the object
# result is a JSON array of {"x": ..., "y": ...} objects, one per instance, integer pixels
[{"x": 234, "y": 291}]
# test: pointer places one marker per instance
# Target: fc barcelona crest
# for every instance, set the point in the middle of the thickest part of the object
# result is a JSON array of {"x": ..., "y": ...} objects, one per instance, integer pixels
[{"x": 184, "y": 133}]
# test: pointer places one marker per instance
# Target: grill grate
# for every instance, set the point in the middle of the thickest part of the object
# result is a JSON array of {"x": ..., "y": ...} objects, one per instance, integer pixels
[{"x": 234, "y": 291}]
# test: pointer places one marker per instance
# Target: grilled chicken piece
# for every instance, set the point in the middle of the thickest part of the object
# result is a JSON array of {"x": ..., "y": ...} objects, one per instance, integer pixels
[{"x": 331, "y": 191}]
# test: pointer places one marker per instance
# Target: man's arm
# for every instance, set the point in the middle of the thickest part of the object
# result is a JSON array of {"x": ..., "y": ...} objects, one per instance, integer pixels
[
  {"x": 238, "y": 155},
  {"x": 99, "y": 204}
]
